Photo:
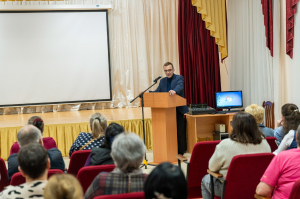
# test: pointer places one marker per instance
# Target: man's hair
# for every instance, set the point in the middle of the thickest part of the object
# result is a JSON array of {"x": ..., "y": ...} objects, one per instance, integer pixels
[
  {"x": 168, "y": 63},
  {"x": 32, "y": 159},
  {"x": 257, "y": 112},
  {"x": 291, "y": 117},
  {"x": 245, "y": 129},
  {"x": 111, "y": 132},
  {"x": 166, "y": 179},
  {"x": 28, "y": 134}
]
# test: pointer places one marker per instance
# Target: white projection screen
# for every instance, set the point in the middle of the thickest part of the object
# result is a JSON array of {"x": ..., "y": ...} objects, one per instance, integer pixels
[{"x": 52, "y": 57}]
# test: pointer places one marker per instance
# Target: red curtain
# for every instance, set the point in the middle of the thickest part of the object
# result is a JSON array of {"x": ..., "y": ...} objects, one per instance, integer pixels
[
  {"x": 268, "y": 21},
  {"x": 291, "y": 9},
  {"x": 198, "y": 56}
]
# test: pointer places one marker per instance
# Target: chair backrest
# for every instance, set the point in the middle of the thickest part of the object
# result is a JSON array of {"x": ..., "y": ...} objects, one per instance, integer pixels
[
  {"x": 3, "y": 175},
  {"x": 18, "y": 179},
  {"x": 295, "y": 193},
  {"x": 86, "y": 175},
  {"x": 77, "y": 161},
  {"x": 272, "y": 143},
  {"x": 244, "y": 174},
  {"x": 137, "y": 195},
  {"x": 201, "y": 154},
  {"x": 269, "y": 114}
]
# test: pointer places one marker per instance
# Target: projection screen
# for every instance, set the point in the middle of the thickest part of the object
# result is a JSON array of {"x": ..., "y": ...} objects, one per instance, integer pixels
[{"x": 51, "y": 57}]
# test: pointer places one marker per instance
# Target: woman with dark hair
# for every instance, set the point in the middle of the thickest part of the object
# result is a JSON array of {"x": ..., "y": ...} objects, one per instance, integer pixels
[
  {"x": 290, "y": 121},
  {"x": 245, "y": 138},
  {"x": 101, "y": 156},
  {"x": 48, "y": 142},
  {"x": 166, "y": 181}
]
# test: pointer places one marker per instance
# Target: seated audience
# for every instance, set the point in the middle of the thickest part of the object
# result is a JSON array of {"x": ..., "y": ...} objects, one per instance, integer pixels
[
  {"x": 245, "y": 138},
  {"x": 128, "y": 152},
  {"x": 63, "y": 186},
  {"x": 166, "y": 181},
  {"x": 290, "y": 121},
  {"x": 34, "y": 164},
  {"x": 27, "y": 135},
  {"x": 36, "y": 121},
  {"x": 281, "y": 174},
  {"x": 86, "y": 141},
  {"x": 101, "y": 156},
  {"x": 288, "y": 142},
  {"x": 258, "y": 113}
]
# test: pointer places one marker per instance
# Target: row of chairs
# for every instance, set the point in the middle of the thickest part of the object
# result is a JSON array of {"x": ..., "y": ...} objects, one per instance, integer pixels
[{"x": 197, "y": 167}]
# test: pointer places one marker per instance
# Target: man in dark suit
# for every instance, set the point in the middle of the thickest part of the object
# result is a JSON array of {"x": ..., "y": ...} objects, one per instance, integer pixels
[{"x": 174, "y": 84}]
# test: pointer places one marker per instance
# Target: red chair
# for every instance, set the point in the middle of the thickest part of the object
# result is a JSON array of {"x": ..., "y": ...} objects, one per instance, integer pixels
[
  {"x": 77, "y": 161},
  {"x": 272, "y": 143},
  {"x": 18, "y": 179},
  {"x": 3, "y": 175},
  {"x": 137, "y": 195},
  {"x": 295, "y": 193},
  {"x": 197, "y": 167},
  {"x": 243, "y": 175},
  {"x": 86, "y": 175}
]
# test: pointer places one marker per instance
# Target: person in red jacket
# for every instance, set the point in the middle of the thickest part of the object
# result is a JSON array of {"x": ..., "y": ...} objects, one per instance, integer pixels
[{"x": 36, "y": 121}]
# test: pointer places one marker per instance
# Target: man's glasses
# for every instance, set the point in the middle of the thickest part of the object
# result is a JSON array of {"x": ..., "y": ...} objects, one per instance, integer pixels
[{"x": 168, "y": 71}]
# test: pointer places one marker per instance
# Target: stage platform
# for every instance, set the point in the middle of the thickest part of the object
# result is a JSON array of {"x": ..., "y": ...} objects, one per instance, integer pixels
[{"x": 64, "y": 127}]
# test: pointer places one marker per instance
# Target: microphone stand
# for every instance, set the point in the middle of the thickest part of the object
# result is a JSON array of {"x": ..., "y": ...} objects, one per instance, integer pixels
[{"x": 141, "y": 95}]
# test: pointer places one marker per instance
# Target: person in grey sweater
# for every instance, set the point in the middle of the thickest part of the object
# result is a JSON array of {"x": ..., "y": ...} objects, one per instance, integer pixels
[
  {"x": 245, "y": 138},
  {"x": 258, "y": 113}
]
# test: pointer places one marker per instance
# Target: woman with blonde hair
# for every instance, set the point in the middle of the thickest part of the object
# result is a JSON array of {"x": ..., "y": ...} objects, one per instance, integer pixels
[
  {"x": 85, "y": 141},
  {"x": 258, "y": 113},
  {"x": 63, "y": 186}
]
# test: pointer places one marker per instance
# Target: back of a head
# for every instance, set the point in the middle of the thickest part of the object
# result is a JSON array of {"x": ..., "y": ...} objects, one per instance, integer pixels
[
  {"x": 28, "y": 134},
  {"x": 37, "y": 122},
  {"x": 245, "y": 129},
  {"x": 128, "y": 151},
  {"x": 166, "y": 180},
  {"x": 32, "y": 159},
  {"x": 291, "y": 115},
  {"x": 98, "y": 124},
  {"x": 257, "y": 112},
  {"x": 63, "y": 186},
  {"x": 111, "y": 132}
]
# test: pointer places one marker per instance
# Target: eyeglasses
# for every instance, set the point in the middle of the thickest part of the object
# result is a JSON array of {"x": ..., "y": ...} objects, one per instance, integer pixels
[{"x": 170, "y": 70}]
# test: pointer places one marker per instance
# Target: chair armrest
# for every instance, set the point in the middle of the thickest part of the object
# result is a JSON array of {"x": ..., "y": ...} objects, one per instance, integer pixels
[
  {"x": 260, "y": 197},
  {"x": 216, "y": 175},
  {"x": 181, "y": 157}
]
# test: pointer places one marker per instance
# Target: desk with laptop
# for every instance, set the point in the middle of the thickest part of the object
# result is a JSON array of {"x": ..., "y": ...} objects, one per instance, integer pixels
[{"x": 206, "y": 124}]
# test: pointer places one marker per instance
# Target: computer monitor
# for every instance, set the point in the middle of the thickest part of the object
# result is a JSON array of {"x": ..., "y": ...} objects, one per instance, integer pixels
[{"x": 229, "y": 99}]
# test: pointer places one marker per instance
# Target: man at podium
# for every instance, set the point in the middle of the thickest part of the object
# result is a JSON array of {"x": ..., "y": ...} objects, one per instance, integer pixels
[{"x": 174, "y": 84}]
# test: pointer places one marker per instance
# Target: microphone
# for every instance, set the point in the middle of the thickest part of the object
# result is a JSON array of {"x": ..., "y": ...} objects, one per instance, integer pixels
[{"x": 157, "y": 79}]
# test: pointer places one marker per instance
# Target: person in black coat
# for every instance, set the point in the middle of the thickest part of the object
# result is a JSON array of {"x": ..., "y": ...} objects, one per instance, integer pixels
[{"x": 101, "y": 156}]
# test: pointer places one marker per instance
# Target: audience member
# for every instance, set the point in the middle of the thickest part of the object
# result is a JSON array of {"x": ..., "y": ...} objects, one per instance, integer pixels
[
  {"x": 63, "y": 186},
  {"x": 290, "y": 121},
  {"x": 34, "y": 164},
  {"x": 101, "y": 156},
  {"x": 128, "y": 152},
  {"x": 86, "y": 141},
  {"x": 245, "y": 138},
  {"x": 27, "y": 135},
  {"x": 166, "y": 181},
  {"x": 36, "y": 121},
  {"x": 281, "y": 174},
  {"x": 258, "y": 113}
]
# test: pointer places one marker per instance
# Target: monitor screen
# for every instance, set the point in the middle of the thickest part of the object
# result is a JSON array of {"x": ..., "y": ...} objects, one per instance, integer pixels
[{"x": 229, "y": 99}]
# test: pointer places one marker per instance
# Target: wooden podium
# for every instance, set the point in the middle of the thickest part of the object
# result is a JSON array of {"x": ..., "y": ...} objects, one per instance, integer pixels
[{"x": 164, "y": 125}]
